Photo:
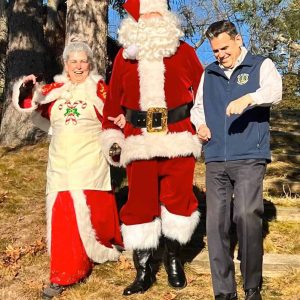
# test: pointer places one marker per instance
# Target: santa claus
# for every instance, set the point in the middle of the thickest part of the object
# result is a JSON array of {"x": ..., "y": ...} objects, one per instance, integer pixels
[{"x": 154, "y": 79}]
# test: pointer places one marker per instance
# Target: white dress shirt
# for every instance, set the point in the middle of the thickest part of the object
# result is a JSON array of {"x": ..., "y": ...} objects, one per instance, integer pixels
[{"x": 269, "y": 92}]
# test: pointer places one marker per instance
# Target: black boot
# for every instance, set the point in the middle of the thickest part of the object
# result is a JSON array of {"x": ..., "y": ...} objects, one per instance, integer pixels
[
  {"x": 173, "y": 266},
  {"x": 144, "y": 273},
  {"x": 253, "y": 294}
]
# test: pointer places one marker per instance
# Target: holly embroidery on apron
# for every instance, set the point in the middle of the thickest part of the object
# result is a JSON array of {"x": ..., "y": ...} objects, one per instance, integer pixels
[{"x": 71, "y": 111}]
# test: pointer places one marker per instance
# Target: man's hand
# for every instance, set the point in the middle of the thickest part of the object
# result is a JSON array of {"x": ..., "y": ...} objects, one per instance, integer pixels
[
  {"x": 204, "y": 133},
  {"x": 119, "y": 120},
  {"x": 115, "y": 150},
  {"x": 239, "y": 105}
]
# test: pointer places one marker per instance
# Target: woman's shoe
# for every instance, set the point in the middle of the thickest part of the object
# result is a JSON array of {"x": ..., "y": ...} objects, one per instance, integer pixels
[{"x": 52, "y": 290}]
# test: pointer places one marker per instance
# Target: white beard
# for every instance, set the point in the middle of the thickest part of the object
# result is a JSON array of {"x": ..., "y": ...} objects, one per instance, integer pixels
[{"x": 152, "y": 38}]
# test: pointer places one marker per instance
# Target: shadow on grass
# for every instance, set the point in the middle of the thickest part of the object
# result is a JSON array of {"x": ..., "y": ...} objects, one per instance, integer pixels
[
  {"x": 193, "y": 247},
  {"x": 43, "y": 139},
  {"x": 197, "y": 243},
  {"x": 285, "y": 149}
]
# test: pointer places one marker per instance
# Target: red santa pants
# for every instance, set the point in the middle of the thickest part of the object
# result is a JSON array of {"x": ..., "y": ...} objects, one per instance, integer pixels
[
  {"x": 69, "y": 262},
  {"x": 167, "y": 181}
]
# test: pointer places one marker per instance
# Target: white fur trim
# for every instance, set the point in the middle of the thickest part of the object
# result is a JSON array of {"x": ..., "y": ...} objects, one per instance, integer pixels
[
  {"x": 108, "y": 138},
  {"x": 151, "y": 145},
  {"x": 152, "y": 82},
  {"x": 15, "y": 98},
  {"x": 179, "y": 228},
  {"x": 142, "y": 236},
  {"x": 61, "y": 92},
  {"x": 63, "y": 78},
  {"x": 65, "y": 91},
  {"x": 36, "y": 117},
  {"x": 96, "y": 77},
  {"x": 94, "y": 249},
  {"x": 147, "y": 6},
  {"x": 50, "y": 200}
]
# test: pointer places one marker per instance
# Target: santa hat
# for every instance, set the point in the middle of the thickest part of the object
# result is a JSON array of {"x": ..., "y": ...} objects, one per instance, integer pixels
[{"x": 137, "y": 7}]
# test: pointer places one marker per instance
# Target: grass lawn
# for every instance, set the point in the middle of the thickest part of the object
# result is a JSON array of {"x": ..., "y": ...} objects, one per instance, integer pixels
[{"x": 24, "y": 263}]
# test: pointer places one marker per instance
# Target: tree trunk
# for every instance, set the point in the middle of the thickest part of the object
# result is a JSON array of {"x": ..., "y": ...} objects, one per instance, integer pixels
[
  {"x": 55, "y": 29},
  {"x": 3, "y": 46},
  {"x": 87, "y": 21},
  {"x": 25, "y": 55}
]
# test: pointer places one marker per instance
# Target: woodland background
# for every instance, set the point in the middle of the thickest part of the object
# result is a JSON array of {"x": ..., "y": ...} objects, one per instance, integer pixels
[{"x": 33, "y": 34}]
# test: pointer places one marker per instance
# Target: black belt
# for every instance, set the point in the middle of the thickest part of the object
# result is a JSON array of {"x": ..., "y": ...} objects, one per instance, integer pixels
[{"x": 157, "y": 116}]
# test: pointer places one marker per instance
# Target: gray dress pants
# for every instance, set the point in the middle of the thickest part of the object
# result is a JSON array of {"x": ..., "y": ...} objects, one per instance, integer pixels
[{"x": 241, "y": 179}]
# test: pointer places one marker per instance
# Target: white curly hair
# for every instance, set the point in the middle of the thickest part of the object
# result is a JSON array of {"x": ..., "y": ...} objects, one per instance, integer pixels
[{"x": 78, "y": 47}]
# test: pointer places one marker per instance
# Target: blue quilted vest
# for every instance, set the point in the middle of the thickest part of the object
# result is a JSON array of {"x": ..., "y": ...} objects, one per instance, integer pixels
[{"x": 236, "y": 137}]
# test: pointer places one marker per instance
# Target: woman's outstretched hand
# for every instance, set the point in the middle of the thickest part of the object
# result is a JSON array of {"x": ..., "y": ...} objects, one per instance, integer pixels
[{"x": 29, "y": 78}]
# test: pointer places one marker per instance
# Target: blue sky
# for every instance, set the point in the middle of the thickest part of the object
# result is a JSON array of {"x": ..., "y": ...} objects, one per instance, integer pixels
[{"x": 204, "y": 52}]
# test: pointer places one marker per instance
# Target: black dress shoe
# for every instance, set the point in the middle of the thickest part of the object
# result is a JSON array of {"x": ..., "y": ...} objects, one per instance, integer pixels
[
  {"x": 253, "y": 294},
  {"x": 230, "y": 296}
]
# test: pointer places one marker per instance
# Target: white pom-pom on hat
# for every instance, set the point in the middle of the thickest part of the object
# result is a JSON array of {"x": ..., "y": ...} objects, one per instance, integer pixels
[{"x": 131, "y": 52}]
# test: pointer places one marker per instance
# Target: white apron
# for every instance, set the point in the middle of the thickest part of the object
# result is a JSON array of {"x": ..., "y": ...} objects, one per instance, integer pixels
[{"x": 75, "y": 160}]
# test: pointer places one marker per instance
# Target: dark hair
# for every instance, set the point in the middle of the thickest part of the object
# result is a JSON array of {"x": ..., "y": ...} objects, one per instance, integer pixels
[{"x": 219, "y": 27}]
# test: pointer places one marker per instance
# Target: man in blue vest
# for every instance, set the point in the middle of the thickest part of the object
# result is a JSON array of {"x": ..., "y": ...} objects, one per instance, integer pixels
[{"x": 235, "y": 94}]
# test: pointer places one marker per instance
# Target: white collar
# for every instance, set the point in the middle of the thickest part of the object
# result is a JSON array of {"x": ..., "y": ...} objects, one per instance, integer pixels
[{"x": 241, "y": 57}]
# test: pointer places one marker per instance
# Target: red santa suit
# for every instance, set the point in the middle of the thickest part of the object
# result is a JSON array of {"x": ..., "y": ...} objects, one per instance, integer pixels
[
  {"x": 82, "y": 218},
  {"x": 160, "y": 165}
]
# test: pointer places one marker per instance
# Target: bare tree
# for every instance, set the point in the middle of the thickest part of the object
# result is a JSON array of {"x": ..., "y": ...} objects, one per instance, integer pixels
[
  {"x": 25, "y": 55},
  {"x": 196, "y": 15},
  {"x": 272, "y": 25},
  {"x": 268, "y": 26},
  {"x": 87, "y": 21}
]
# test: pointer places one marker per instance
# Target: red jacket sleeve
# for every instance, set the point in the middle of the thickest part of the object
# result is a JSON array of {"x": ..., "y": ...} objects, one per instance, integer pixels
[
  {"x": 26, "y": 97},
  {"x": 112, "y": 106},
  {"x": 196, "y": 70}
]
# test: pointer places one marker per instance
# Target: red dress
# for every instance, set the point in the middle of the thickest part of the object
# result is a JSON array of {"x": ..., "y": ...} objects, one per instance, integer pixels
[{"x": 82, "y": 217}]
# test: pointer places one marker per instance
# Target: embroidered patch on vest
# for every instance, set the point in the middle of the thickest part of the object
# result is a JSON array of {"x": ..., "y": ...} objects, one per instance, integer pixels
[{"x": 242, "y": 78}]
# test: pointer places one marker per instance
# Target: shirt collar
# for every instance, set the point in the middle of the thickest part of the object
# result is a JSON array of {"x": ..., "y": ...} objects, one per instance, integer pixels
[{"x": 241, "y": 57}]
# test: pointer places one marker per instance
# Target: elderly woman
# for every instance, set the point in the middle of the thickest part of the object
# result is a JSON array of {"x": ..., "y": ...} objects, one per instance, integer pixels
[{"x": 82, "y": 219}]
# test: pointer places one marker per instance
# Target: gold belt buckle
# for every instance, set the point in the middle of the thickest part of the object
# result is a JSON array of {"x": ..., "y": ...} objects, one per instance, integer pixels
[{"x": 164, "y": 119}]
